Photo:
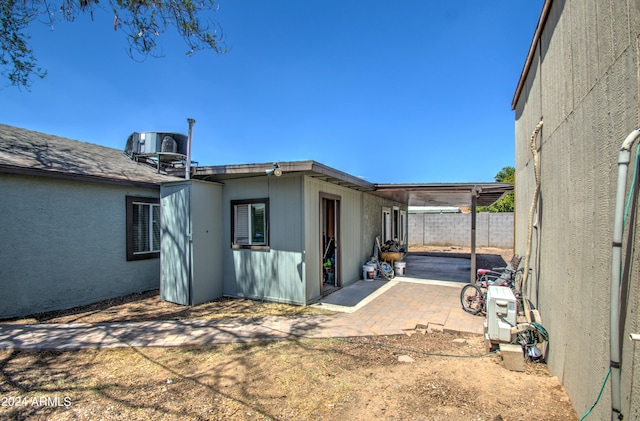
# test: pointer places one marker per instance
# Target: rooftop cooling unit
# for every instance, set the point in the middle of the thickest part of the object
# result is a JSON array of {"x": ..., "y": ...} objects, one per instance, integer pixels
[{"x": 156, "y": 143}]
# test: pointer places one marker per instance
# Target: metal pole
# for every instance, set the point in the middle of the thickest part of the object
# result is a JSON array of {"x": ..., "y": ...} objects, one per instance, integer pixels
[
  {"x": 187, "y": 174},
  {"x": 474, "y": 199},
  {"x": 616, "y": 264}
]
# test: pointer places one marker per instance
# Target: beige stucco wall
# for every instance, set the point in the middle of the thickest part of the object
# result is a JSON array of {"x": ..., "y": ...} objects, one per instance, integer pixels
[{"x": 584, "y": 84}]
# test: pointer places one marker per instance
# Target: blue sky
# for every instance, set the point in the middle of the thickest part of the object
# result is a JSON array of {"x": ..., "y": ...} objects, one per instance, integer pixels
[{"x": 394, "y": 92}]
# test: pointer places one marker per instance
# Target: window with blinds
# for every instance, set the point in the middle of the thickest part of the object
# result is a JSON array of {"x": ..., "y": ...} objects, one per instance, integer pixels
[
  {"x": 146, "y": 228},
  {"x": 241, "y": 229},
  {"x": 250, "y": 223},
  {"x": 143, "y": 228}
]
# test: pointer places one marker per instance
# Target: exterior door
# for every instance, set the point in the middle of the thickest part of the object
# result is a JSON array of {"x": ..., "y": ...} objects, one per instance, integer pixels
[
  {"x": 175, "y": 244},
  {"x": 330, "y": 241}
]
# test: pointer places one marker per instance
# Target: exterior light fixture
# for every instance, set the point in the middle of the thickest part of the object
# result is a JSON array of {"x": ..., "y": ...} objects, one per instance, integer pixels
[{"x": 276, "y": 170}]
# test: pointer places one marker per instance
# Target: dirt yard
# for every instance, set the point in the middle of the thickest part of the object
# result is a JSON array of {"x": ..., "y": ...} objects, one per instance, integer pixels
[{"x": 417, "y": 376}]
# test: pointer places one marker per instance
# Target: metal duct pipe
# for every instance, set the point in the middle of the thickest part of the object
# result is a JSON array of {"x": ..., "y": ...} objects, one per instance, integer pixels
[
  {"x": 187, "y": 174},
  {"x": 616, "y": 263}
]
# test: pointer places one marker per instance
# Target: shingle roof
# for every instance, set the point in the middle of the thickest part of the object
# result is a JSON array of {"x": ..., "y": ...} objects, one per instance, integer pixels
[{"x": 27, "y": 152}]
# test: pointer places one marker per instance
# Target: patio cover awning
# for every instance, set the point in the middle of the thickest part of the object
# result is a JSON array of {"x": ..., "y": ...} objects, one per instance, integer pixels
[
  {"x": 448, "y": 194},
  {"x": 444, "y": 194}
]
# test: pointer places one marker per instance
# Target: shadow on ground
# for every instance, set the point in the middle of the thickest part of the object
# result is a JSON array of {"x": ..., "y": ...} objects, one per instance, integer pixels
[{"x": 445, "y": 266}]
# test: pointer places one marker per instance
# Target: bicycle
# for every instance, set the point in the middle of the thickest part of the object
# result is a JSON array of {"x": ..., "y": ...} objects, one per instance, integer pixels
[{"x": 473, "y": 297}]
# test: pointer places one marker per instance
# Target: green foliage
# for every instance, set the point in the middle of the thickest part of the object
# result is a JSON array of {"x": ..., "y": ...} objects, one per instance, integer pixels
[
  {"x": 142, "y": 21},
  {"x": 17, "y": 62},
  {"x": 506, "y": 204},
  {"x": 506, "y": 175}
]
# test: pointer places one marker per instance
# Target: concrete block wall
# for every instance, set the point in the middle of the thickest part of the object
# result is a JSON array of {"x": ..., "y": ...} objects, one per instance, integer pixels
[
  {"x": 499, "y": 229},
  {"x": 454, "y": 229}
]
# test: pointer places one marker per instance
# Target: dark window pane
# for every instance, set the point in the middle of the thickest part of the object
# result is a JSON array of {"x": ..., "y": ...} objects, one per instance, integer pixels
[
  {"x": 258, "y": 224},
  {"x": 156, "y": 227}
]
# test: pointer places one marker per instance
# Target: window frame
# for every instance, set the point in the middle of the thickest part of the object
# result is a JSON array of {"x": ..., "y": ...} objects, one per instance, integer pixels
[
  {"x": 387, "y": 224},
  {"x": 267, "y": 245},
  {"x": 151, "y": 202},
  {"x": 403, "y": 226},
  {"x": 395, "y": 223}
]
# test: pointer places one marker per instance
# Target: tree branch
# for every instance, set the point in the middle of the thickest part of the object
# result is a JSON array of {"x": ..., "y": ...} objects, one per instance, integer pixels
[{"x": 142, "y": 21}]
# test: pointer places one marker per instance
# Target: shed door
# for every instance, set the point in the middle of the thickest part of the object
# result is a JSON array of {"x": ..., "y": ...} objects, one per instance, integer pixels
[
  {"x": 330, "y": 238},
  {"x": 175, "y": 244}
]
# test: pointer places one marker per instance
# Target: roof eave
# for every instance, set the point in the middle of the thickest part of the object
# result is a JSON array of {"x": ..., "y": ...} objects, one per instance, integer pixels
[
  {"x": 532, "y": 49},
  {"x": 10, "y": 169},
  {"x": 312, "y": 167}
]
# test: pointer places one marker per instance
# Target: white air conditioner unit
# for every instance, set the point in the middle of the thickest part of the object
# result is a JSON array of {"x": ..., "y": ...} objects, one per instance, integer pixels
[{"x": 501, "y": 313}]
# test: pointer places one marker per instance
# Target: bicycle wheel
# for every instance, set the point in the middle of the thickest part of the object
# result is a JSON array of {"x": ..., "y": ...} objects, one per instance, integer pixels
[{"x": 472, "y": 299}]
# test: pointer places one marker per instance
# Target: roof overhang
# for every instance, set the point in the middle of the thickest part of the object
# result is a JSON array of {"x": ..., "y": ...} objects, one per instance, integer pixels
[
  {"x": 61, "y": 175},
  {"x": 312, "y": 169},
  {"x": 435, "y": 194},
  {"x": 532, "y": 52},
  {"x": 444, "y": 194}
]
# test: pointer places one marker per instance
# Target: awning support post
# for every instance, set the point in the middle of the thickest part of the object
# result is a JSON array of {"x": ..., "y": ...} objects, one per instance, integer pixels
[{"x": 474, "y": 199}]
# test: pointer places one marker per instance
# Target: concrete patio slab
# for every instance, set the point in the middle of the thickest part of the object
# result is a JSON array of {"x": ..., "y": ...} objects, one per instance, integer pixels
[{"x": 450, "y": 269}]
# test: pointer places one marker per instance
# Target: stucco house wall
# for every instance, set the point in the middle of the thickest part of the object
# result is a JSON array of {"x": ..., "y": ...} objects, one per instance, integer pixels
[
  {"x": 63, "y": 244},
  {"x": 290, "y": 270},
  {"x": 267, "y": 274},
  {"x": 63, "y": 235},
  {"x": 583, "y": 81},
  {"x": 68, "y": 212},
  {"x": 372, "y": 221}
]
